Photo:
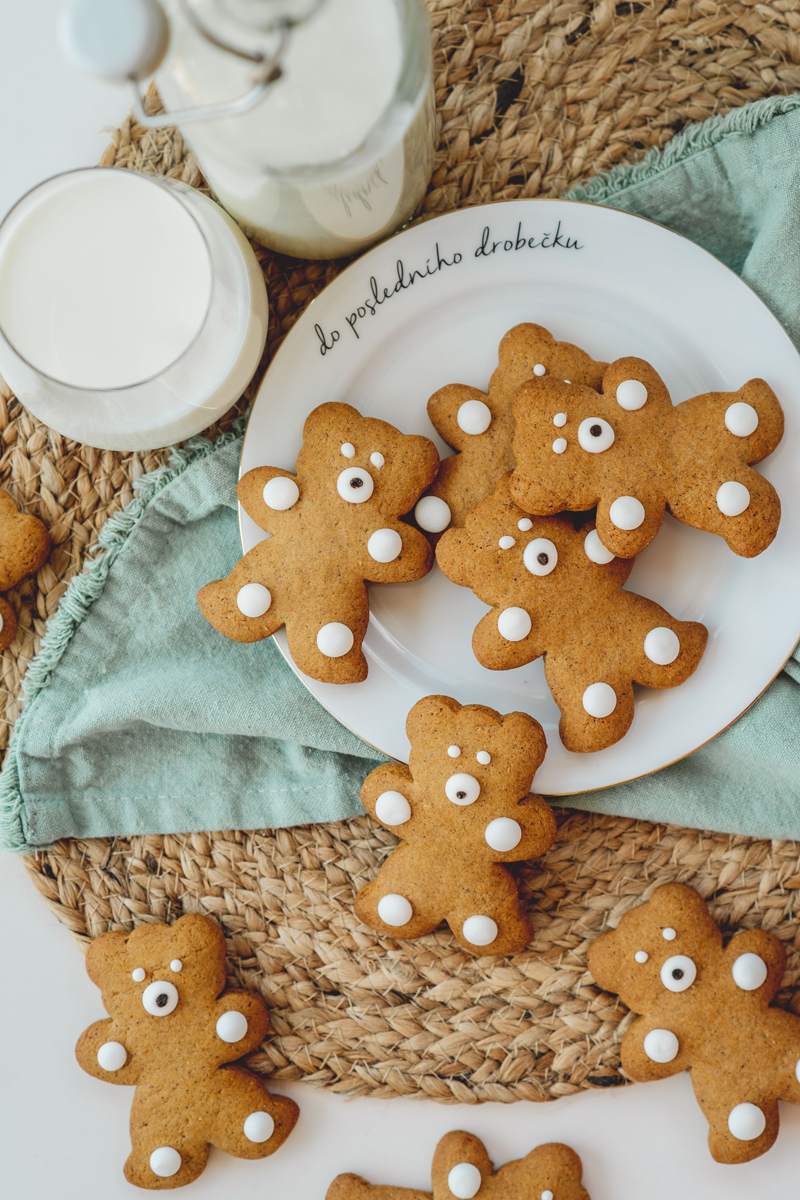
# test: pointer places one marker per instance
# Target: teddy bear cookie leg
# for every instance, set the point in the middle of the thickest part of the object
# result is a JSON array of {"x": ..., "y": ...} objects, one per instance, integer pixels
[
  {"x": 739, "y": 1129},
  {"x": 167, "y": 1150},
  {"x": 251, "y": 604},
  {"x": 401, "y": 901},
  {"x": 325, "y": 636},
  {"x": 249, "y": 1122},
  {"x": 8, "y": 624},
  {"x": 596, "y": 701},
  {"x": 487, "y": 917}
]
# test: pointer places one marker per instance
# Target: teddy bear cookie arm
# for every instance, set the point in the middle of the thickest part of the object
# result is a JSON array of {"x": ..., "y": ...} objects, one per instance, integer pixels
[
  {"x": 353, "y": 1187},
  {"x": 241, "y": 1021},
  {"x": 269, "y": 496},
  {"x": 24, "y": 543},
  {"x": 101, "y": 1053},
  {"x": 387, "y": 794},
  {"x": 395, "y": 553},
  {"x": 444, "y": 408},
  {"x": 247, "y": 606}
]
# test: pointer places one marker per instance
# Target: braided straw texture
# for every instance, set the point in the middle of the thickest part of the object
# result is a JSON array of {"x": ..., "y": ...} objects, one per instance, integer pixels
[{"x": 532, "y": 98}]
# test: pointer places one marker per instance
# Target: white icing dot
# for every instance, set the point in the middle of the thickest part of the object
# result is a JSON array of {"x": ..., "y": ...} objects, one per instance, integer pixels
[
  {"x": 560, "y": 418},
  {"x": 641, "y": 956},
  {"x": 483, "y": 757},
  {"x": 454, "y": 751},
  {"x": 539, "y": 369},
  {"x": 732, "y": 499},
  {"x": 741, "y": 419},
  {"x": 626, "y": 512},
  {"x": 335, "y": 639},
  {"x": 231, "y": 1026},
  {"x": 479, "y": 930},
  {"x": 631, "y": 394},
  {"x": 394, "y": 909},
  {"x": 599, "y": 700},
  {"x": 547, "y": 1194},
  {"x": 474, "y": 417},
  {"x": 176, "y": 965},
  {"x": 540, "y": 556},
  {"x": 258, "y": 1127},
  {"x": 111, "y": 1056},
  {"x": 749, "y": 972},
  {"x": 503, "y": 834},
  {"x": 668, "y": 934},
  {"x": 138, "y": 975},
  {"x": 349, "y": 450},
  {"x": 678, "y": 973},
  {"x": 432, "y": 514},
  {"x": 560, "y": 445},
  {"x": 746, "y": 1122},
  {"x": 662, "y": 646},
  {"x": 507, "y": 542},
  {"x": 354, "y": 485},
  {"x": 595, "y": 550},
  {"x": 165, "y": 1161},
  {"x": 384, "y": 545},
  {"x": 661, "y": 1045},
  {"x": 377, "y": 459},
  {"x": 392, "y": 808},
  {"x": 525, "y": 524},
  {"x": 514, "y": 624},
  {"x": 1, "y": 622},
  {"x": 464, "y": 1181},
  {"x": 595, "y": 435},
  {"x": 280, "y": 493},
  {"x": 253, "y": 600},
  {"x": 160, "y": 998},
  {"x": 797, "y": 1070},
  {"x": 462, "y": 789}
]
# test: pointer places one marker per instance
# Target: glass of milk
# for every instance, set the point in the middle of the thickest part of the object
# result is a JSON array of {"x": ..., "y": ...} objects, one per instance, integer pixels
[{"x": 133, "y": 312}]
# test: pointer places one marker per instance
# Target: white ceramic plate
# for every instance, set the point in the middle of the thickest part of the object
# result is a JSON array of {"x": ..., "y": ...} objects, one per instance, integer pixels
[{"x": 616, "y": 285}]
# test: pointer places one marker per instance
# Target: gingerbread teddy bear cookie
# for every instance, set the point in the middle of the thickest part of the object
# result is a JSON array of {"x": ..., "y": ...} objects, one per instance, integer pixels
[
  {"x": 557, "y": 592},
  {"x": 24, "y": 547},
  {"x": 462, "y": 809},
  {"x": 173, "y": 1033},
  {"x": 480, "y": 426},
  {"x": 462, "y": 1171},
  {"x": 335, "y": 525},
  {"x": 705, "y": 1008},
  {"x": 632, "y": 453}
]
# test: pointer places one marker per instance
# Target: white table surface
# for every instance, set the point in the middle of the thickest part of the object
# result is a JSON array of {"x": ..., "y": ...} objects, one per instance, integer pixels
[{"x": 64, "y": 1134}]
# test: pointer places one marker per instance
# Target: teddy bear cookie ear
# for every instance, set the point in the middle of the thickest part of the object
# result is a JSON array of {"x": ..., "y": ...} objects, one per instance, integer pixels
[{"x": 461, "y": 1166}]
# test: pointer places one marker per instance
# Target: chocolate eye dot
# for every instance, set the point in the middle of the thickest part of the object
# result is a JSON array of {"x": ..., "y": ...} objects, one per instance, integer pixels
[
  {"x": 461, "y": 795},
  {"x": 595, "y": 431},
  {"x": 677, "y": 973},
  {"x": 356, "y": 483},
  {"x": 161, "y": 999},
  {"x": 544, "y": 559}
]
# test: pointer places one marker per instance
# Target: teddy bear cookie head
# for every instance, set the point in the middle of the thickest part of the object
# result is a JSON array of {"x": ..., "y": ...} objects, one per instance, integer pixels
[
  {"x": 567, "y": 435},
  {"x": 502, "y": 553},
  {"x": 159, "y": 980},
  {"x": 361, "y": 463},
  {"x": 660, "y": 950},
  {"x": 459, "y": 752},
  {"x": 462, "y": 1169}
]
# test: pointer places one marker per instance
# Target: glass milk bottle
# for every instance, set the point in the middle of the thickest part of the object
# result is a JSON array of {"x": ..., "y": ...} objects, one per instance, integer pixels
[{"x": 312, "y": 120}]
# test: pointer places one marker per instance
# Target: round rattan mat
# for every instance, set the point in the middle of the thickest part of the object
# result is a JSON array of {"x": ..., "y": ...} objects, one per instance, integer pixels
[{"x": 532, "y": 98}]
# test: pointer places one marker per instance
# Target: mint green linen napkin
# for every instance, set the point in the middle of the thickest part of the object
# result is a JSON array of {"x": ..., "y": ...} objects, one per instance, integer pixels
[{"x": 141, "y": 718}]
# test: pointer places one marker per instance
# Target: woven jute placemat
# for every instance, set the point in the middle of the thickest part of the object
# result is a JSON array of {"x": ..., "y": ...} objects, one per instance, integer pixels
[{"x": 532, "y": 97}]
